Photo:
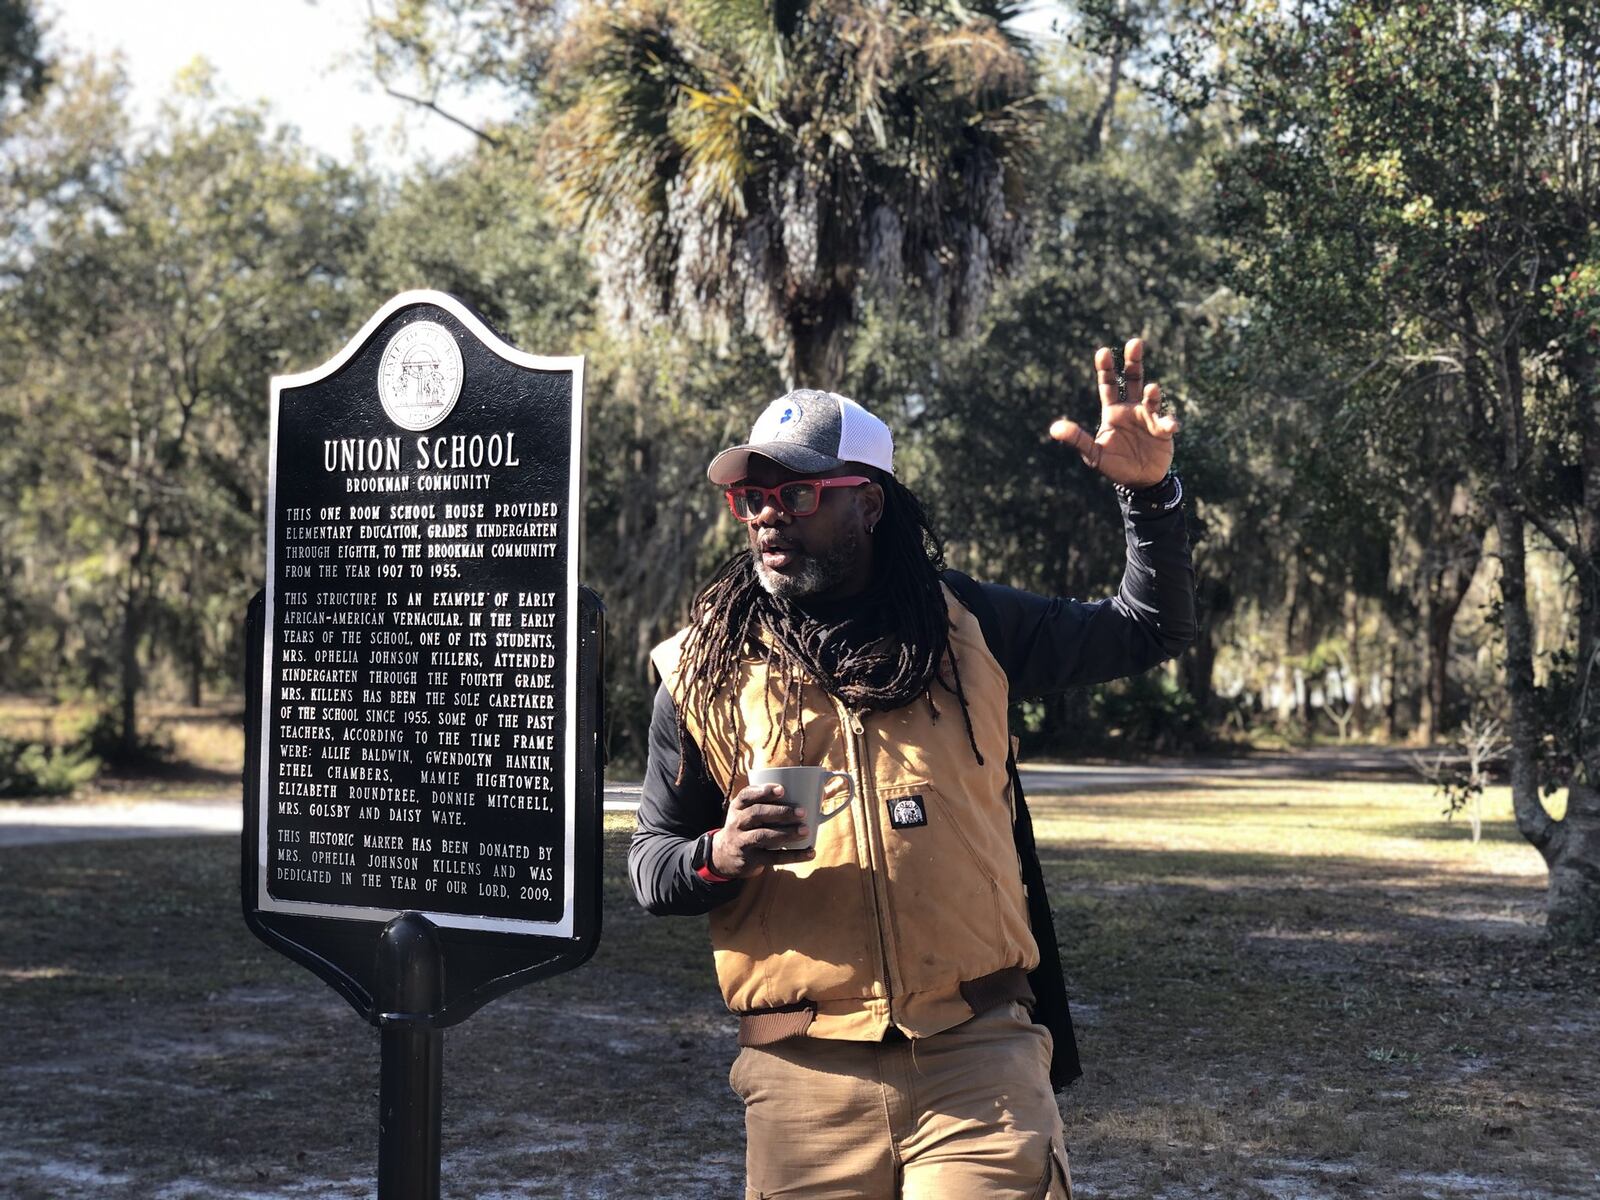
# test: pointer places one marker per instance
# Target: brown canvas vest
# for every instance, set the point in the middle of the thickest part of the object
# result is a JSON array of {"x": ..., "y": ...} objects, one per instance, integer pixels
[{"x": 912, "y": 913}]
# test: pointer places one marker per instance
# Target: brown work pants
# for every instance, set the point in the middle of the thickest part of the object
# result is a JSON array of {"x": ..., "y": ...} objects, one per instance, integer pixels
[{"x": 967, "y": 1114}]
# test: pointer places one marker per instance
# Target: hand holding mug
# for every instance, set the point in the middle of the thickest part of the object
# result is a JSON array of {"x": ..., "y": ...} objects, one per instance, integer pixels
[{"x": 757, "y": 825}]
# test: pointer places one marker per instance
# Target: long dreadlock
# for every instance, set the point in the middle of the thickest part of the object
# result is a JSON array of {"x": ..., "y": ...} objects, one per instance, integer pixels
[{"x": 880, "y": 666}]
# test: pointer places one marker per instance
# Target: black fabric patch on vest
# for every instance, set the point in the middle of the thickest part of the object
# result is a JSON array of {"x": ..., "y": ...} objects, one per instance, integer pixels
[{"x": 908, "y": 812}]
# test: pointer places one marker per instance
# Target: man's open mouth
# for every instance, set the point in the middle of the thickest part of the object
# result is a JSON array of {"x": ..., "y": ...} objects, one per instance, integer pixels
[{"x": 778, "y": 556}]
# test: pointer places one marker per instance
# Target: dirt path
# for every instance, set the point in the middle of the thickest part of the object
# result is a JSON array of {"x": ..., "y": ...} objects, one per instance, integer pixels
[{"x": 36, "y": 824}]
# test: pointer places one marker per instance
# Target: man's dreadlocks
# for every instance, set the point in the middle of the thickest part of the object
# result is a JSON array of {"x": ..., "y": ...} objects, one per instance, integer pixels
[{"x": 881, "y": 657}]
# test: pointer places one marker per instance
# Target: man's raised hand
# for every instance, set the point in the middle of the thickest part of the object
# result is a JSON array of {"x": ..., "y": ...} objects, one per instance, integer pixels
[{"x": 1133, "y": 445}]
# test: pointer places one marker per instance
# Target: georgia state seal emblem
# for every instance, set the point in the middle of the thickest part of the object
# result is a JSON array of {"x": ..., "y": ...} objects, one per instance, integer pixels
[{"x": 419, "y": 376}]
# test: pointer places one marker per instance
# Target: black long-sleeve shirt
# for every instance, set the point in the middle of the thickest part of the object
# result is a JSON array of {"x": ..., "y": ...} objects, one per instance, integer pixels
[{"x": 1046, "y": 645}]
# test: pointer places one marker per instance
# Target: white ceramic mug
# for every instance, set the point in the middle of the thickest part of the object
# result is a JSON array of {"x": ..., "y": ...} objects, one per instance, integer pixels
[{"x": 802, "y": 789}]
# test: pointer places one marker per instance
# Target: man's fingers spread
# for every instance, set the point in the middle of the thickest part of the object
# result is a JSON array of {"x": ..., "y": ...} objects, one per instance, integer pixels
[
  {"x": 1133, "y": 366},
  {"x": 1078, "y": 438},
  {"x": 1152, "y": 396},
  {"x": 1105, "y": 368}
]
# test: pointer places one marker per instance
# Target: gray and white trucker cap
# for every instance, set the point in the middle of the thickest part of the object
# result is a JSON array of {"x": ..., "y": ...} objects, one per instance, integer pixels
[{"x": 810, "y": 431}]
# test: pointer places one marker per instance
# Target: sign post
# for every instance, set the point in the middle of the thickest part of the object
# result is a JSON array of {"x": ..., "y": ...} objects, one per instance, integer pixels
[{"x": 423, "y": 773}]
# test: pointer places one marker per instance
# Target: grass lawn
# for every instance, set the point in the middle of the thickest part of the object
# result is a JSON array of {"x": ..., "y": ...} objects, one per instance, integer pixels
[{"x": 1284, "y": 989}]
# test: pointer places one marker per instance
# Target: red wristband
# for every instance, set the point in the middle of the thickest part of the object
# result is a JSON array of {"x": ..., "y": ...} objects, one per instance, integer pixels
[{"x": 704, "y": 870}]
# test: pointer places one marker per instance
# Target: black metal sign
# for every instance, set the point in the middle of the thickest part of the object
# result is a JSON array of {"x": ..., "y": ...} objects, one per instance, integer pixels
[{"x": 425, "y": 716}]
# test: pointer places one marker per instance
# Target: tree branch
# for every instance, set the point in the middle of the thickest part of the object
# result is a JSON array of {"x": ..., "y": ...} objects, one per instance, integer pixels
[
  {"x": 433, "y": 106},
  {"x": 1568, "y": 548},
  {"x": 1094, "y": 138}
]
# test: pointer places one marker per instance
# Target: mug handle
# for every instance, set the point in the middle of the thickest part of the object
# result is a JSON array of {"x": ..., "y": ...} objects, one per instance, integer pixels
[{"x": 850, "y": 796}]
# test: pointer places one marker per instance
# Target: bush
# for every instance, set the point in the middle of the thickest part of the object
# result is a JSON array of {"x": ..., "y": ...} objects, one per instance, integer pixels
[
  {"x": 1149, "y": 710},
  {"x": 102, "y": 737},
  {"x": 34, "y": 769}
]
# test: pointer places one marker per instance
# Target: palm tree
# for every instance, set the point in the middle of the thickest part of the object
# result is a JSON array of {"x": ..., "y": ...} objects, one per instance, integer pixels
[{"x": 770, "y": 162}]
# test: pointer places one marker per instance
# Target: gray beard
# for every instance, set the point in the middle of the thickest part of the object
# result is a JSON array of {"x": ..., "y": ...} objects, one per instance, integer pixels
[{"x": 816, "y": 574}]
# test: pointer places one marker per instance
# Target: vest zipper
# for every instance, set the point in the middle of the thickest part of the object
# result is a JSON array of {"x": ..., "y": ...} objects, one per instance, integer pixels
[{"x": 877, "y": 854}]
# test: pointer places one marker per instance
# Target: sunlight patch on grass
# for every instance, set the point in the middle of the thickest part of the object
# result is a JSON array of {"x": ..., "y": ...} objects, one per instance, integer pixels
[
  {"x": 29, "y": 974},
  {"x": 211, "y": 743},
  {"x": 1384, "y": 824}
]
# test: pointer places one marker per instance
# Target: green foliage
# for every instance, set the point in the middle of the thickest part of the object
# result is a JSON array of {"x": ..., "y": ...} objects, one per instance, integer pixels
[
  {"x": 424, "y": 48},
  {"x": 1322, "y": 220},
  {"x": 1573, "y": 300},
  {"x": 482, "y": 229},
  {"x": 1150, "y": 710},
  {"x": 156, "y": 281},
  {"x": 23, "y": 68},
  {"x": 972, "y": 413},
  {"x": 29, "y": 769},
  {"x": 103, "y": 737},
  {"x": 740, "y": 164}
]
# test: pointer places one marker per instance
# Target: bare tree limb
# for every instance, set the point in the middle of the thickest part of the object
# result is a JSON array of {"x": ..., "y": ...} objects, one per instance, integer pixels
[
  {"x": 433, "y": 106},
  {"x": 1568, "y": 548}
]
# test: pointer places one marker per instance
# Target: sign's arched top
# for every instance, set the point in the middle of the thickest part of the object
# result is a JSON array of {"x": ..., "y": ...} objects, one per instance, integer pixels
[{"x": 455, "y": 308}]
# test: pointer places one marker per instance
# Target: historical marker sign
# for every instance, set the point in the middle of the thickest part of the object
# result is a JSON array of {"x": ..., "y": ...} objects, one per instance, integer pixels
[{"x": 426, "y": 728}]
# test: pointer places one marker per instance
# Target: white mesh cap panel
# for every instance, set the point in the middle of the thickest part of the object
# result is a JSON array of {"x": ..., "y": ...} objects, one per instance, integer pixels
[{"x": 863, "y": 438}]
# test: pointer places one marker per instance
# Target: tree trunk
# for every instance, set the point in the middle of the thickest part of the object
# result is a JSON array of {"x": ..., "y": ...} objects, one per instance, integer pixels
[
  {"x": 1357, "y": 702},
  {"x": 1196, "y": 667},
  {"x": 196, "y": 630},
  {"x": 1574, "y": 905},
  {"x": 1575, "y": 872},
  {"x": 133, "y": 614},
  {"x": 818, "y": 343},
  {"x": 1571, "y": 847},
  {"x": 196, "y": 670},
  {"x": 1094, "y": 137},
  {"x": 1446, "y": 586},
  {"x": 1391, "y": 703},
  {"x": 1441, "y": 621},
  {"x": 128, "y": 708},
  {"x": 1213, "y": 600}
]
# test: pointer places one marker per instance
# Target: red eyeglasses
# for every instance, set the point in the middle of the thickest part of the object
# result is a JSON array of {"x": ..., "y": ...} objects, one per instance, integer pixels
[{"x": 798, "y": 497}]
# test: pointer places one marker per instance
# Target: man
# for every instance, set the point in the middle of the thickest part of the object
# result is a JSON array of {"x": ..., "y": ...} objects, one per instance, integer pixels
[{"x": 881, "y": 978}]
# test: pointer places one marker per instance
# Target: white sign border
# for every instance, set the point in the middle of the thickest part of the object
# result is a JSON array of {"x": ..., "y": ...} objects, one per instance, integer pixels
[{"x": 564, "y": 927}]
